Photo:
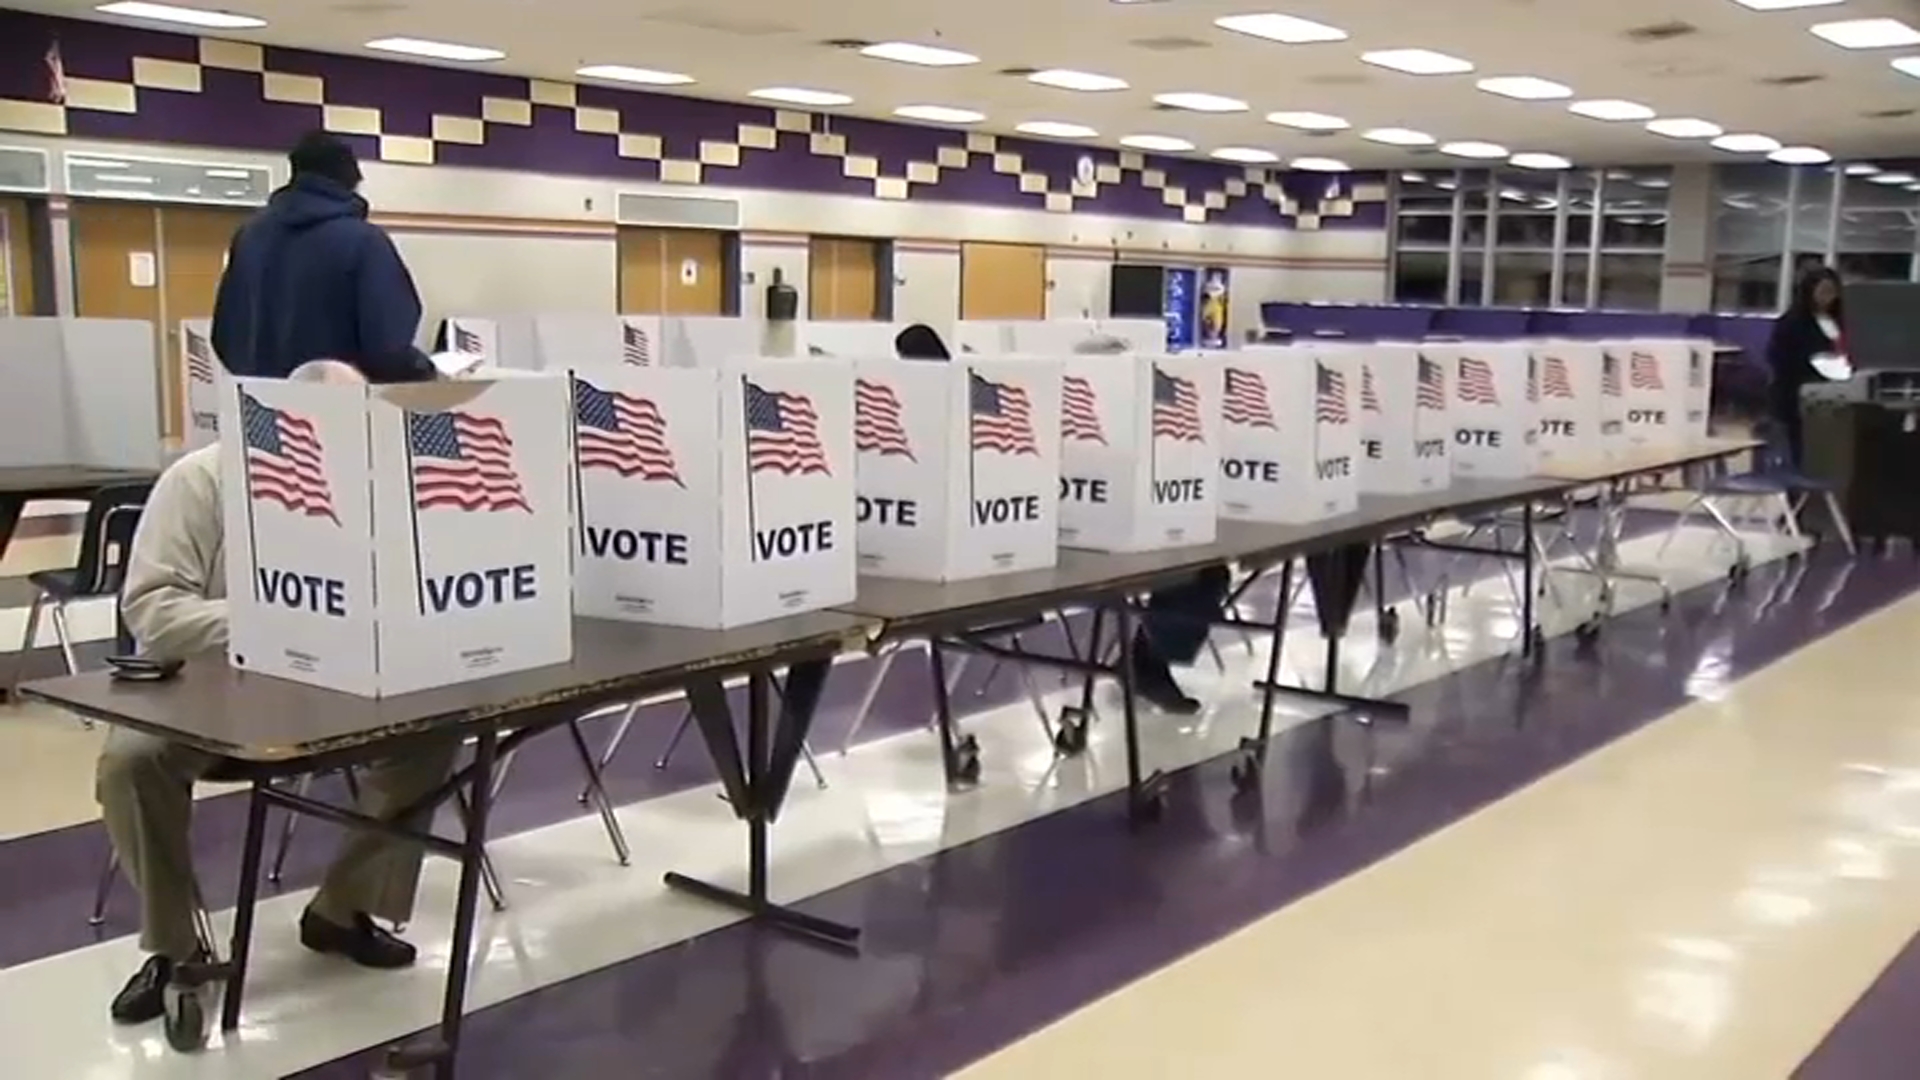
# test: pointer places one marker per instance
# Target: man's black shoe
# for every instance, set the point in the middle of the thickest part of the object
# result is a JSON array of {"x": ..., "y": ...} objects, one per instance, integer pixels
[
  {"x": 1153, "y": 682},
  {"x": 364, "y": 943},
  {"x": 144, "y": 996}
]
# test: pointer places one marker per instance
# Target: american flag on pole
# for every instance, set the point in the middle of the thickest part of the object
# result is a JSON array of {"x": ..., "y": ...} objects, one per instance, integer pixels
[
  {"x": 463, "y": 462},
  {"x": 1643, "y": 371},
  {"x": 285, "y": 463},
  {"x": 467, "y": 342},
  {"x": 1432, "y": 389},
  {"x": 1609, "y": 375},
  {"x": 877, "y": 427},
  {"x": 1079, "y": 411},
  {"x": 1369, "y": 393},
  {"x": 200, "y": 361},
  {"x": 1176, "y": 408},
  {"x": 1476, "y": 382},
  {"x": 56, "y": 73},
  {"x": 1554, "y": 380},
  {"x": 635, "y": 348},
  {"x": 622, "y": 434},
  {"x": 783, "y": 433},
  {"x": 1245, "y": 402},
  {"x": 1002, "y": 417},
  {"x": 1329, "y": 395}
]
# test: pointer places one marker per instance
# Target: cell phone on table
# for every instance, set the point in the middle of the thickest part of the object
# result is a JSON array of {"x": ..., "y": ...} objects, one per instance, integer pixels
[{"x": 143, "y": 668}]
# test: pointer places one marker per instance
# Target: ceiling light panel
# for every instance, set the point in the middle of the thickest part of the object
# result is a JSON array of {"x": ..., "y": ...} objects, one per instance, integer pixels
[
  {"x": 1800, "y": 155},
  {"x": 635, "y": 75},
  {"x": 1861, "y": 168},
  {"x": 939, "y": 114},
  {"x": 1165, "y": 144},
  {"x": 1319, "y": 164},
  {"x": 800, "y": 95},
  {"x": 1891, "y": 178},
  {"x": 1868, "y": 33},
  {"x": 1418, "y": 61},
  {"x": 1785, "y": 5},
  {"x": 1087, "y": 82},
  {"x": 437, "y": 50},
  {"x": 1393, "y": 136},
  {"x": 1195, "y": 101},
  {"x": 1246, "y": 155},
  {"x": 1908, "y": 65},
  {"x": 1285, "y": 29},
  {"x": 906, "y": 52},
  {"x": 185, "y": 16},
  {"x": 1536, "y": 160},
  {"x": 1525, "y": 88},
  {"x": 1685, "y": 127},
  {"x": 1611, "y": 109},
  {"x": 1056, "y": 129},
  {"x": 1470, "y": 148},
  {"x": 1308, "y": 121},
  {"x": 1747, "y": 143}
]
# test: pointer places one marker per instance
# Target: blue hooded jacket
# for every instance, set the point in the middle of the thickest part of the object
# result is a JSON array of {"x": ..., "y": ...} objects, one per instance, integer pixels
[{"x": 309, "y": 278}]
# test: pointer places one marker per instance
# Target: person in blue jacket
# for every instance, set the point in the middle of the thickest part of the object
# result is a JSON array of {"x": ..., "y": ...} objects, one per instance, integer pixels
[{"x": 309, "y": 278}]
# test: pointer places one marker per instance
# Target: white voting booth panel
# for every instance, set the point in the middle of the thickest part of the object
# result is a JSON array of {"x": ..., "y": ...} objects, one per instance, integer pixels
[
  {"x": 1291, "y": 442},
  {"x": 201, "y": 377},
  {"x": 1698, "y": 400},
  {"x": 80, "y": 392},
  {"x": 565, "y": 342},
  {"x": 1494, "y": 409},
  {"x": 383, "y": 540},
  {"x": 1141, "y": 335},
  {"x": 714, "y": 497},
  {"x": 494, "y": 341},
  {"x": 1568, "y": 376},
  {"x": 1653, "y": 377},
  {"x": 1140, "y": 451},
  {"x": 959, "y": 467},
  {"x": 852, "y": 340},
  {"x": 1404, "y": 430},
  {"x": 708, "y": 340},
  {"x": 1025, "y": 337},
  {"x": 33, "y": 410}
]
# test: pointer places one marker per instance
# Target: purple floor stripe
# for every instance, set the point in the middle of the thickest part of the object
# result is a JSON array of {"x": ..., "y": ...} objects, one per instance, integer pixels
[{"x": 1876, "y": 1039}]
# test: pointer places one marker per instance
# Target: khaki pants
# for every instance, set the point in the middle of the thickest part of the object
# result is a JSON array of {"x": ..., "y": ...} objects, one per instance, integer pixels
[{"x": 145, "y": 788}]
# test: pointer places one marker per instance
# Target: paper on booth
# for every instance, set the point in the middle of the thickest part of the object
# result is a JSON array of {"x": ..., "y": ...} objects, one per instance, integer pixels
[
  {"x": 959, "y": 467},
  {"x": 1140, "y": 451},
  {"x": 1404, "y": 427},
  {"x": 1494, "y": 411},
  {"x": 392, "y": 539},
  {"x": 201, "y": 376},
  {"x": 714, "y": 497},
  {"x": 1291, "y": 442}
]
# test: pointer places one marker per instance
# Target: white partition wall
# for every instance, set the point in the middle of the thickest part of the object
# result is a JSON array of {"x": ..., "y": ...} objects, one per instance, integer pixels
[
  {"x": 33, "y": 414},
  {"x": 79, "y": 392}
]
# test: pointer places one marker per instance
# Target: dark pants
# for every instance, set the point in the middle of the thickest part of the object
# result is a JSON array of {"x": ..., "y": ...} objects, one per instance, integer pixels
[
  {"x": 1785, "y": 414},
  {"x": 1179, "y": 617}
]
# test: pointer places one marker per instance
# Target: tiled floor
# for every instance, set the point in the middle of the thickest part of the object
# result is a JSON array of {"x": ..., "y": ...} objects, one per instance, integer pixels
[{"x": 1717, "y": 868}]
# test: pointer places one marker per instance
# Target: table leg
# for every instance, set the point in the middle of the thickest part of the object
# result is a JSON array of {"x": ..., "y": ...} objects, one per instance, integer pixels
[
  {"x": 11, "y": 506},
  {"x": 473, "y": 854},
  {"x": 1529, "y": 634},
  {"x": 1336, "y": 576},
  {"x": 242, "y": 947},
  {"x": 959, "y": 757},
  {"x": 1246, "y": 774},
  {"x": 1070, "y": 734},
  {"x": 1146, "y": 792}
]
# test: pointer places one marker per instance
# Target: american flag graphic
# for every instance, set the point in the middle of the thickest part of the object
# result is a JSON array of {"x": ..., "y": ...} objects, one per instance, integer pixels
[
  {"x": 1329, "y": 395},
  {"x": 1643, "y": 372},
  {"x": 1246, "y": 403},
  {"x": 56, "y": 73},
  {"x": 1176, "y": 408},
  {"x": 1079, "y": 411},
  {"x": 1476, "y": 382},
  {"x": 622, "y": 434},
  {"x": 635, "y": 349},
  {"x": 1696, "y": 369},
  {"x": 877, "y": 428},
  {"x": 463, "y": 462},
  {"x": 1369, "y": 393},
  {"x": 1554, "y": 380},
  {"x": 467, "y": 342},
  {"x": 200, "y": 362},
  {"x": 285, "y": 464},
  {"x": 1609, "y": 375},
  {"x": 1002, "y": 417},
  {"x": 783, "y": 433},
  {"x": 1432, "y": 389}
]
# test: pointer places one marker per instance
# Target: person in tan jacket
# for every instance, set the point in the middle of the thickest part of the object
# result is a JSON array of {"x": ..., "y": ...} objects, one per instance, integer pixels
[{"x": 174, "y": 604}]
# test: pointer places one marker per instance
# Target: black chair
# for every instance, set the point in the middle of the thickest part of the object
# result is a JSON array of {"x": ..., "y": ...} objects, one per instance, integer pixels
[{"x": 106, "y": 539}]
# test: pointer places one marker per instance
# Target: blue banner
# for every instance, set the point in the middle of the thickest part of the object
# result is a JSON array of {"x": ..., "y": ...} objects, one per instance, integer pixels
[{"x": 1182, "y": 288}]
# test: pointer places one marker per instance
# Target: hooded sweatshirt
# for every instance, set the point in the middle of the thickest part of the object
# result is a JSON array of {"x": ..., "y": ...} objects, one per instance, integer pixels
[{"x": 309, "y": 278}]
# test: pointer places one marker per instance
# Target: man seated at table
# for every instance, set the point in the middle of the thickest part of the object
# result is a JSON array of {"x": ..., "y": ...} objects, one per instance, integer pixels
[{"x": 174, "y": 604}]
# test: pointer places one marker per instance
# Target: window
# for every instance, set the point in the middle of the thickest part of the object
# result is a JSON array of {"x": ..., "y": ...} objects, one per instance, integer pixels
[
  {"x": 1423, "y": 236},
  {"x": 1420, "y": 277},
  {"x": 1749, "y": 234},
  {"x": 1630, "y": 281},
  {"x": 1876, "y": 235}
]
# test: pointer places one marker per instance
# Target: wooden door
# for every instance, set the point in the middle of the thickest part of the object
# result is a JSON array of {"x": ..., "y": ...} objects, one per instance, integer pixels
[
  {"x": 843, "y": 276},
  {"x": 672, "y": 271},
  {"x": 16, "y": 259},
  {"x": 193, "y": 246},
  {"x": 1003, "y": 281}
]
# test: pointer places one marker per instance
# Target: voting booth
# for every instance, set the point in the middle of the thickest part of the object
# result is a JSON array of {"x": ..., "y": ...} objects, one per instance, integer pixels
[
  {"x": 1141, "y": 335},
  {"x": 388, "y": 539},
  {"x": 1404, "y": 430},
  {"x": 707, "y": 340},
  {"x": 714, "y": 497},
  {"x": 1654, "y": 392},
  {"x": 1025, "y": 337},
  {"x": 1140, "y": 451},
  {"x": 562, "y": 343},
  {"x": 201, "y": 376},
  {"x": 79, "y": 392},
  {"x": 959, "y": 467},
  {"x": 1567, "y": 375},
  {"x": 1494, "y": 411},
  {"x": 855, "y": 340},
  {"x": 1697, "y": 403},
  {"x": 1291, "y": 443},
  {"x": 492, "y": 341}
]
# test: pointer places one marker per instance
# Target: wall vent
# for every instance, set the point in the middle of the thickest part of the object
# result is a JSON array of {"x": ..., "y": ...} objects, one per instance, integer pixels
[
  {"x": 120, "y": 176},
  {"x": 675, "y": 211}
]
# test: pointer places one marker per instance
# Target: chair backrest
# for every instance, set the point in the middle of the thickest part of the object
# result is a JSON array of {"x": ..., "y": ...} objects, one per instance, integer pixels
[{"x": 106, "y": 539}]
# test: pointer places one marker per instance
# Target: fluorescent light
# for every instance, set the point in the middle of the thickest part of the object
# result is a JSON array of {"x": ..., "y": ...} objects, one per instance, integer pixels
[
  {"x": 641, "y": 76},
  {"x": 906, "y": 52},
  {"x": 1684, "y": 127},
  {"x": 1199, "y": 102},
  {"x": 1800, "y": 155},
  {"x": 1166, "y": 144},
  {"x": 436, "y": 50},
  {"x": 940, "y": 114},
  {"x": 210, "y": 20},
  {"x": 800, "y": 95},
  {"x": 1867, "y": 33},
  {"x": 1535, "y": 160},
  {"x": 1470, "y": 148},
  {"x": 1611, "y": 109},
  {"x": 1525, "y": 88},
  {"x": 1318, "y": 164},
  {"x": 1246, "y": 155},
  {"x": 1285, "y": 29},
  {"x": 230, "y": 174},
  {"x": 1747, "y": 143},
  {"x": 1908, "y": 65},
  {"x": 1308, "y": 121},
  {"x": 1083, "y": 81},
  {"x": 123, "y": 178},
  {"x": 1861, "y": 168},
  {"x": 1892, "y": 178},
  {"x": 1056, "y": 129},
  {"x": 1394, "y": 136},
  {"x": 1418, "y": 61},
  {"x": 1785, "y": 5}
]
